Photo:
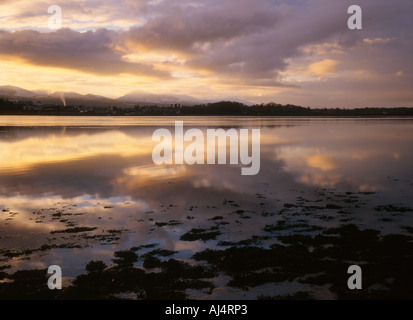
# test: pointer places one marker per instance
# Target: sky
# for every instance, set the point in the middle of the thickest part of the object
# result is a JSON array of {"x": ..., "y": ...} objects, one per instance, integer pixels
[{"x": 298, "y": 51}]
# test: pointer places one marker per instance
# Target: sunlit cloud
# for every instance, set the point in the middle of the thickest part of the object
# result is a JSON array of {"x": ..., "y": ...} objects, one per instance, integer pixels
[
  {"x": 90, "y": 52},
  {"x": 80, "y": 15},
  {"x": 326, "y": 66},
  {"x": 285, "y": 51},
  {"x": 377, "y": 40}
]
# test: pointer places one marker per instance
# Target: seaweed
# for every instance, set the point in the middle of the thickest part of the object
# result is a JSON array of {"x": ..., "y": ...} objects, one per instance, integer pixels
[
  {"x": 74, "y": 230},
  {"x": 201, "y": 234}
]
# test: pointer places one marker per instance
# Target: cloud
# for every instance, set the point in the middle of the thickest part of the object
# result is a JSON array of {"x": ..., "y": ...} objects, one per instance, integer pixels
[
  {"x": 76, "y": 14},
  {"x": 92, "y": 52},
  {"x": 192, "y": 29},
  {"x": 234, "y": 39},
  {"x": 376, "y": 40},
  {"x": 278, "y": 50},
  {"x": 326, "y": 66}
]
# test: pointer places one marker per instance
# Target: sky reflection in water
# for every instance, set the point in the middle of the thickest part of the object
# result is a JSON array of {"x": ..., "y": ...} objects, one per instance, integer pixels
[{"x": 58, "y": 173}]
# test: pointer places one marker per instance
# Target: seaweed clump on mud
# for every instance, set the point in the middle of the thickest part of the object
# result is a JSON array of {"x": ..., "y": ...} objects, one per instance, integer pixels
[
  {"x": 323, "y": 260},
  {"x": 311, "y": 260},
  {"x": 103, "y": 282},
  {"x": 201, "y": 234}
]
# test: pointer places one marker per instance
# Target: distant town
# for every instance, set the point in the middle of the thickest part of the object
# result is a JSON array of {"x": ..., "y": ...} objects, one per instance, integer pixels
[{"x": 228, "y": 108}]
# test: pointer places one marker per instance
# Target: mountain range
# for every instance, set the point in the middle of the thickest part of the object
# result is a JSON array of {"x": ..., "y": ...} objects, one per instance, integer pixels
[{"x": 75, "y": 99}]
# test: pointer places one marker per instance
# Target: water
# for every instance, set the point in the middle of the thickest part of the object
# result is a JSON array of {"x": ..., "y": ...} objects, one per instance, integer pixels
[{"x": 76, "y": 189}]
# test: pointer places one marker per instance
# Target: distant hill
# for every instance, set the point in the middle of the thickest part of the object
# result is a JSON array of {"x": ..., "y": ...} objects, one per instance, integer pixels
[
  {"x": 151, "y": 98},
  {"x": 73, "y": 98},
  {"x": 15, "y": 92},
  {"x": 60, "y": 98},
  {"x": 131, "y": 99}
]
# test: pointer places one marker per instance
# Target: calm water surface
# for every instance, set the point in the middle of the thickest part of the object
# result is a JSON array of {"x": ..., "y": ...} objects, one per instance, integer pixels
[{"x": 76, "y": 189}]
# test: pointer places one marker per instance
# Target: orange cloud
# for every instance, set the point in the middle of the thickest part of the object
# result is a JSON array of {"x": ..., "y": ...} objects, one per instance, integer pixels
[{"x": 326, "y": 66}]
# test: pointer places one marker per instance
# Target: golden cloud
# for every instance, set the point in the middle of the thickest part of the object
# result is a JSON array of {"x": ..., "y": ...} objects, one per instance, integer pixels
[{"x": 326, "y": 66}]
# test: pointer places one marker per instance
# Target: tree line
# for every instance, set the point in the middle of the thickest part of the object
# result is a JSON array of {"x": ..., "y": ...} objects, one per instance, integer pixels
[{"x": 222, "y": 108}]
